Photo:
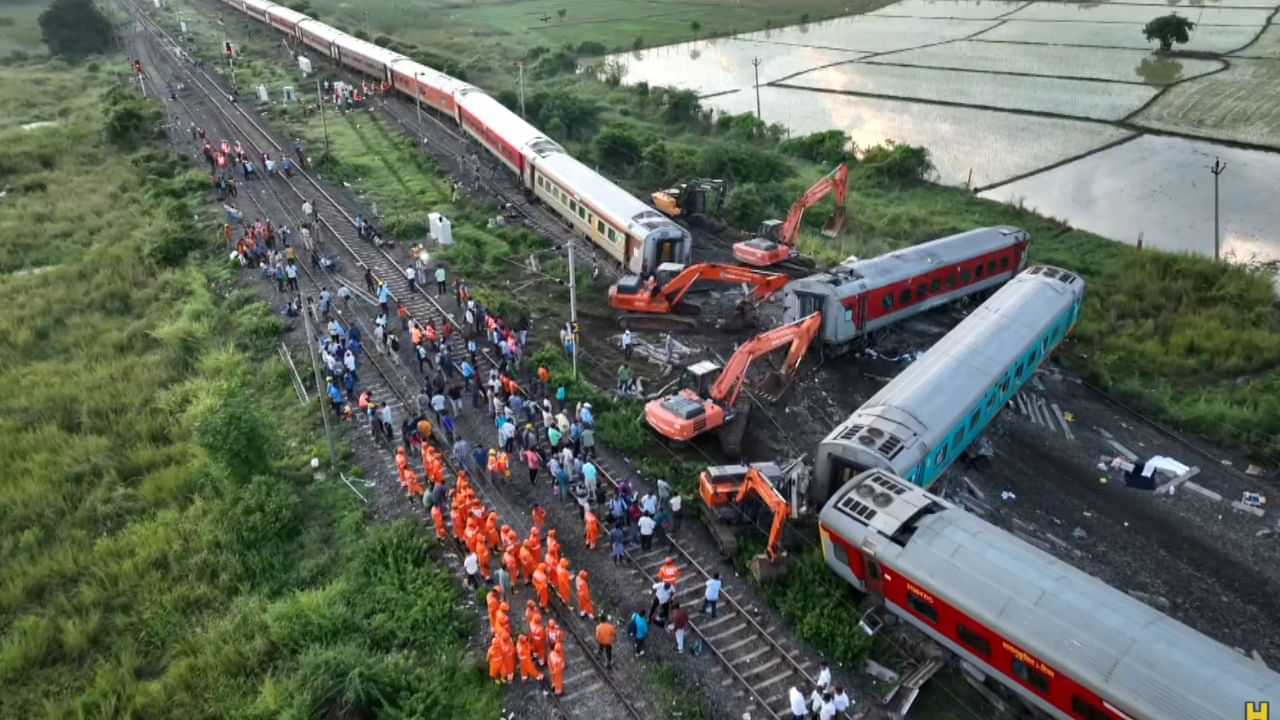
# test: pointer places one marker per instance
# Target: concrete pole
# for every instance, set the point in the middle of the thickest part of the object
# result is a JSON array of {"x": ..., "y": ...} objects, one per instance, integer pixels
[
  {"x": 1218, "y": 168},
  {"x": 521, "y": 66},
  {"x": 315, "y": 367},
  {"x": 755, "y": 62},
  {"x": 323, "y": 122}
]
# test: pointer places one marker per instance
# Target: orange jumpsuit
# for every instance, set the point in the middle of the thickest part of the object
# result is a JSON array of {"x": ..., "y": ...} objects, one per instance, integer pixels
[
  {"x": 540, "y": 586},
  {"x": 584, "y": 596},
  {"x": 553, "y": 550},
  {"x": 502, "y": 620},
  {"x": 402, "y": 461},
  {"x": 508, "y": 657},
  {"x": 491, "y": 530},
  {"x": 409, "y": 479},
  {"x": 539, "y": 517},
  {"x": 593, "y": 530},
  {"x": 509, "y": 538},
  {"x": 527, "y": 667},
  {"x": 669, "y": 573},
  {"x": 512, "y": 566},
  {"x": 424, "y": 432},
  {"x": 564, "y": 582},
  {"x": 456, "y": 517},
  {"x": 495, "y": 659},
  {"x": 492, "y": 603},
  {"x": 437, "y": 517},
  {"x": 555, "y": 666},
  {"x": 526, "y": 563},
  {"x": 538, "y": 639},
  {"x": 554, "y": 634},
  {"x": 482, "y": 554},
  {"x": 531, "y": 612}
]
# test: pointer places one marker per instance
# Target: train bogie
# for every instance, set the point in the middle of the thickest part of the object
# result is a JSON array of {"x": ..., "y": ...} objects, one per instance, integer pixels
[{"x": 925, "y": 418}]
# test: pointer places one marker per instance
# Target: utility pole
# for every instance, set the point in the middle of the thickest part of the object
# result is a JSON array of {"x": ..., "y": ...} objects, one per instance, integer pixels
[
  {"x": 573, "y": 308},
  {"x": 755, "y": 62},
  {"x": 323, "y": 122},
  {"x": 315, "y": 367},
  {"x": 521, "y": 66},
  {"x": 1218, "y": 168},
  {"x": 417, "y": 96}
]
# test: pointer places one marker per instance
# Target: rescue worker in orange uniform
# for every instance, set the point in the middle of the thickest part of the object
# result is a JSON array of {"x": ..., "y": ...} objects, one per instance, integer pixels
[
  {"x": 528, "y": 670},
  {"x": 492, "y": 602},
  {"x": 538, "y": 639},
  {"x": 495, "y": 659},
  {"x": 511, "y": 564},
  {"x": 483, "y": 555},
  {"x": 585, "y": 608},
  {"x": 555, "y": 666},
  {"x": 402, "y": 461},
  {"x": 564, "y": 581},
  {"x": 502, "y": 620},
  {"x": 527, "y": 560},
  {"x": 554, "y": 634},
  {"x": 669, "y": 573},
  {"x": 503, "y": 462},
  {"x": 491, "y": 530},
  {"x": 412, "y": 486},
  {"x": 553, "y": 550},
  {"x": 541, "y": 585},
  {"x": 492, "y": 465},
  {"x": 424, "y": 432},
  {"x": 509, "y": 538},
  {"x": 508, "y": 657},
  {"x": 531, "y": 613},
  {"x": 534, "y": 541},
  {"x": 539, "y": 517},
  {"x": 592, "y": 529},
  {"x": 437, "y": 518}
]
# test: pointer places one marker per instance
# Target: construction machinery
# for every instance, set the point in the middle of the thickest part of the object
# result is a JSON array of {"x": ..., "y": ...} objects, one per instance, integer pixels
[
  {"x": 664, "y": 293},
  {"x": 704, "y": 405},
  {"x": 775, "y": 240},
  {"x": 726, "y": 491},
  {"x": 696, "y": 199}
]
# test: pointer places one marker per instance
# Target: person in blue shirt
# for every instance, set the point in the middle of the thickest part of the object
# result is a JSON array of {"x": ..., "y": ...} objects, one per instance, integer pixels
[
  {"x": 585, "y": 415},
  {"x": 468, "y": 373},
  {"x": 335, "y": 397},
  {"x": 638, "y": 630},
  {"x": 384, "y": 297}
]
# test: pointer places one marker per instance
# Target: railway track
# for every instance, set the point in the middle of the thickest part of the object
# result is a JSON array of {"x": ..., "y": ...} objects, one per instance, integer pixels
[
  {"x": 587, "y": 677},
  {"x": 761, "y": 665}
]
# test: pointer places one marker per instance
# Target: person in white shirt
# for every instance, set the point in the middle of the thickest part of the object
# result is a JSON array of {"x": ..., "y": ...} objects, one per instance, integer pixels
[
  {"x": 841, "y": 700},
  {"x": 472, "y": 566},
  {"x": 824, "y": 677},
  {"x": 649, "y": 504},
  {"x": 712, "y": 595},
  {"x": 828, "y": 709},
  {"x": 675, "y": 504},
  {"x": 647, "y": 526},
  {"x": 628, "y": 343},
  {"x": 799, "y": 709},
  {"x": 661, "y": 606},
  {"x": 412, "y": 275}
]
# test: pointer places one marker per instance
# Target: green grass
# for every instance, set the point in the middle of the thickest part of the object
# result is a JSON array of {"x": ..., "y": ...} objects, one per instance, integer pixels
[
  {"x": 167, "y": 551},
  {"x": 19, "y": 31}
]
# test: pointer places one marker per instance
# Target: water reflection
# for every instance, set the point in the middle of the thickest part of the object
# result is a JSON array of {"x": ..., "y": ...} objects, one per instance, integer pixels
[
  {"x": 1157, "y": 70},
  {"x": 1160, "y": 188}
]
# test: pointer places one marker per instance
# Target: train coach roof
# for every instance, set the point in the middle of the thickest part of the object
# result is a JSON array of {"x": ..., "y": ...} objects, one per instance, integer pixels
[
  {"x": 429, "y": 75},
  {"x": 497, "y": 117},
  {"x": 381, "y": 55},
  {"x": 977, "y": 351},
  {"x": 1146, "y": 662},
  {"x": 292, "y": 16},
  {"x": 320, "y": 30},
  {"x": 909, "y": 262},
  {"x": 599, "y": 192}
]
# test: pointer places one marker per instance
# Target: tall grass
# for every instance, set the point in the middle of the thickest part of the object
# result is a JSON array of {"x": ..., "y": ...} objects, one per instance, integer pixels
[{"x": 166, "y": 551}]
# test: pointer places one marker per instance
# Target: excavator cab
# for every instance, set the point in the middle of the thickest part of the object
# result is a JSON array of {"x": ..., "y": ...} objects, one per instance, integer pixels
[
  {"x": 738, "y": 495},
  {"x": 776, "y": 239},
  {"x": 694, "y": 199},
  {"x": 700, "y": 376}
]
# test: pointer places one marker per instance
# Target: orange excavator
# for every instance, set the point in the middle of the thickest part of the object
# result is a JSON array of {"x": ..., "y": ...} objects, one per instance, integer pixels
[
  {"x": 725, "y": 490},
  {"x": 703, "y": 406},
  {"x": 663, "y": 293},
  {"x": 775, "y": 240}
]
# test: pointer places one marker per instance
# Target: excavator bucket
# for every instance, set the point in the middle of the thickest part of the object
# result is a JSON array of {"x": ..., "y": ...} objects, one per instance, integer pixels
[
  {"x": 836, "y": 224},
  {"x": 765, "y": 570}
]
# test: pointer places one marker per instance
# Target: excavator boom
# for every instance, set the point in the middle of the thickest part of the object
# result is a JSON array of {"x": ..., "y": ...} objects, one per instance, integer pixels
[
  {"x": 761, "y": 252},
  {"x": 798, "y": 334},
  {"x": 665, "y": 299},
  {"x": 755, "y": 482}
]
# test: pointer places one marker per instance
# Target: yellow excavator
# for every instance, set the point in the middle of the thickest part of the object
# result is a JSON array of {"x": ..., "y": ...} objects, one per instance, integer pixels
[{"x": 694, "y": 200}]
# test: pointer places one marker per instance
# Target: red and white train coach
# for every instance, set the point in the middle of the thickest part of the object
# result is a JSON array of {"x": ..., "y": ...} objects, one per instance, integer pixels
[{"x": 1065, "y": 642}]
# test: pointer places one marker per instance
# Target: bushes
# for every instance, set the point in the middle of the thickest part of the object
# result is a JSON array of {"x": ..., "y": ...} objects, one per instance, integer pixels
[
  {"x": 825, "y": 148},
  {"x": 897, "y": 165},
  {"x": 743, "y": 163},
  {"x": 618, "y": 148},
  {"x": 131, "y": 121}
]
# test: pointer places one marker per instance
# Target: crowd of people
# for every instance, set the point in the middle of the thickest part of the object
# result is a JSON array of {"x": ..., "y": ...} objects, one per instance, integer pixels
[{"x": 825, "y": 701}]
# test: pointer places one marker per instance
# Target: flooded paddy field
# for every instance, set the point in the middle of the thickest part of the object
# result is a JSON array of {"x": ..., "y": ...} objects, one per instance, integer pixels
[{"x": 1031, "y": 102}]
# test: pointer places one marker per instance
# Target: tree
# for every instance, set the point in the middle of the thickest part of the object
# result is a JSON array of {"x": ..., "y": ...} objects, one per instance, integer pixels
[
  {"x": 1169, "y": 29},
  {"x": 618, "y": 148},
  {"x": 562, "y": 12},
  {"x": 75, "y": 28},
  {"x": 695, "y": 26}
]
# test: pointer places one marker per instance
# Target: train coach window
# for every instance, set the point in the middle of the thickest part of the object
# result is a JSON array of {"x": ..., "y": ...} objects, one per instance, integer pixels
[
  {"x": 839, "y": 553},
  {"x": 600, "y": 226},
  {"x": 951, "y": 281},
  {"x": 935, "y": 285},
  {"x": 991, "y": 267},
  {"x": 582, "y": 212},
  {"x": 873, "y": 570},
  {"x": 888, "y": 301},
  {"x": 977, "y": 271},
  {"x": 923, "y": 608},
  {"x": 573, "y": 206},
  {"x": 940, "y": 456},
  {"x": 904, "y": 298},
  {"x": 973, "y": 641},
  {"x": 964, "y": 277},
  {"x": 1036, "y": 679},
  {"x": 1086, "y": 710},
  {"x": 921, "y": 292},
  {"x": 1004, "y": 263}
]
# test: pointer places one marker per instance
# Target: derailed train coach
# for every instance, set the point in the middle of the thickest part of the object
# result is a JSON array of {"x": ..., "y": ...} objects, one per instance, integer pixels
[
  {"x": 626, "y": 229},
  {"x": 925, "y": 418}
]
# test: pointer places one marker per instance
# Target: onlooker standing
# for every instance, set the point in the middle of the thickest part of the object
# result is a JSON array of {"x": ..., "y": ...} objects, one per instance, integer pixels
[
  {"x": 680, "y": 621},
  {"x": 638, "y": 629},
  {"x": 647, "y": 526},
  {"x": 711, "y": 597},
  {"x": 663, "y": 592},
  {"x": 606, "y": 633},
  {"x": 441, "y": 286},
  {"x": 628, "y": 344},
  {"x": 676, "y": 503},
  {"x": 617, "y": 542}
]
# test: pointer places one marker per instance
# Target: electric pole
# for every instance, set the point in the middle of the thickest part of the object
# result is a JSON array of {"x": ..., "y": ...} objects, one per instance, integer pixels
[
  {"x": 755, "y": 62},
  {"x": 521, "y": 66},
  {"x": 1218, "y": 168},
  {"x": 323, "y": 122},
  {"x": 573, "y": 308},
  {"x": 315, "y": 367}
]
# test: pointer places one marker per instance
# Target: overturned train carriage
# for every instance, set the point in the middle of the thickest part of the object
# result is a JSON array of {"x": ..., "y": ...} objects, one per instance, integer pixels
[{"x": 923, "y": 419}]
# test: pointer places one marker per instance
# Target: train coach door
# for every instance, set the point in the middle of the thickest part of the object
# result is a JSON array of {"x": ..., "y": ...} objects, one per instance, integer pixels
[{"x": 875, "y": 575}]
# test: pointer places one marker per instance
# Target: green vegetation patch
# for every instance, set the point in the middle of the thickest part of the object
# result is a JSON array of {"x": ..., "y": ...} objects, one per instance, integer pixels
[{"x": 167, "y": 549}]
